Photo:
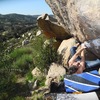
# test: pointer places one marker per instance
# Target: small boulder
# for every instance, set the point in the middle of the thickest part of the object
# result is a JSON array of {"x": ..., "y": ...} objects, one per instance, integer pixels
[
  {"x": 38, "y": 33},
  {"x": 36, "y": 72},
  {"x": 25, "y": 42},
  {"x": 29, "y": 34},
  {"x": 54, "y": 74}
]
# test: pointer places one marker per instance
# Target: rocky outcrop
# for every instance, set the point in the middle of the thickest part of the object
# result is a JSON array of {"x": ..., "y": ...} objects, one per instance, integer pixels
[
  {"x": 64, "y": 50},
  {"x": 55, "y": 72},
  {"x": 51, "y": 28},
  {"x": 93, "y": 46},
  {"x": 90, "y": 52},
  {"x": 36, "y": 72},
  {"x": 78, "y": 17},
  {"x": 72, "y": 18}
]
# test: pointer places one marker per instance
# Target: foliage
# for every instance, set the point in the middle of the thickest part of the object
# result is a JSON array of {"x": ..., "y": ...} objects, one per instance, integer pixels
[
  {"x": 3, "y": 96},
  {"x": 8, "y": 75},
  {"x": 24, "y": 62},
  {"x": 29, "y": 76},
  {"x": 7, "y": 84},
  {"x": 18, "y": 98},
  {"x": 14, "y": 25},
  {"x": 41, "y": 80},
  {"x": 37, "y": 96},
  {"x": 22, "y": 59},
  {"x": 38, "y": 53},
  {"x": 44, "y": 54},
  {"x": 20, "y": 52}
]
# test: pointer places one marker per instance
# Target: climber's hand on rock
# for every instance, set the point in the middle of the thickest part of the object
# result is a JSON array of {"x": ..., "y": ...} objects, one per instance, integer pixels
[{"x": 83, "y": 46}]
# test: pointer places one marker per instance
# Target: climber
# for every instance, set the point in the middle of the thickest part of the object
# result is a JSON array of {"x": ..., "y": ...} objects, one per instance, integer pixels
[{"x": 77, "y": 63}]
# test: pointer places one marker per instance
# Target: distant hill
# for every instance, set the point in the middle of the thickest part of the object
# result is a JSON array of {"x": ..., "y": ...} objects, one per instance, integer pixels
[{"x": 14, "y": 25}]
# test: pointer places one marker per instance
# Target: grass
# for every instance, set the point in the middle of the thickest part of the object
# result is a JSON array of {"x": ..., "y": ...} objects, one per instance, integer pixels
[
  {"x": 18, "y": 98},
  {"x": 29, "y": 76},
  {"x": 37, "y": 96},
  {"x": 21, "y": 51},
  {"x": 24, "y": 62},
  {"x": 26, "y": 59},
  {"x": 22, "y": 58}
]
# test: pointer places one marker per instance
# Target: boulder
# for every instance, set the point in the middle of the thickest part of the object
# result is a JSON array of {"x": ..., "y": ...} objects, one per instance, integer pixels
[
  {"x": 38, "y": 33},
  {"x": 55, "y": 73},
  {"x": 64, "y": 50},
  {"x": 23, "y": 36},
  {"x": 36, "y": 72},
  {"x": 51, "y": 28},
  {"x": 78, "y": 17},
  {"x": 29, "y": 34},
  {"x": 25, "y": 42},
  {"x": 93, "y": 46}
]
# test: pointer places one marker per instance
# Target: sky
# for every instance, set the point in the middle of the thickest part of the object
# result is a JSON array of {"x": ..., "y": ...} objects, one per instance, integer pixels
[{"x": 26, "y": 7}]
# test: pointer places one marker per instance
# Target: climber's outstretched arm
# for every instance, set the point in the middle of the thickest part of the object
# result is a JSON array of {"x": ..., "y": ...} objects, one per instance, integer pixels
[{"x": 78, "y": 53}]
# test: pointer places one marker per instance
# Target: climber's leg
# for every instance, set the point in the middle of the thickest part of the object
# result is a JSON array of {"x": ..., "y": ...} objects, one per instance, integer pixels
[{"x": 94, "y": 63}]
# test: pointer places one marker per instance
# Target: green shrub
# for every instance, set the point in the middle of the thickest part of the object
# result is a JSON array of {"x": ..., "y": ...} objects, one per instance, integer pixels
[
  {"x": 3, "y": 96},
  {"x": 17, "y": 53},
  {"x": 41, "y": 80},
  {"x": 29, "y": 76},
  {"x": 18, "y": 98},
  {"x": 44, "y": 56},
  {"x": 22, "y": 59},
  {"x": 26, "y": 58},
  {"x": 25, "y": 62}
]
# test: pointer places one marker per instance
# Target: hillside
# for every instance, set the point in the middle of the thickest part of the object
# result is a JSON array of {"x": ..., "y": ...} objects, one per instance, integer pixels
[
  {"x": 22, "y": 48},
  {"x": 14, "y": 25}
]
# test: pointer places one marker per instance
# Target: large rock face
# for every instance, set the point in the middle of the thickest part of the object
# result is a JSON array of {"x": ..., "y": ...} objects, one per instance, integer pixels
[{"x": 78, "y": 17}]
